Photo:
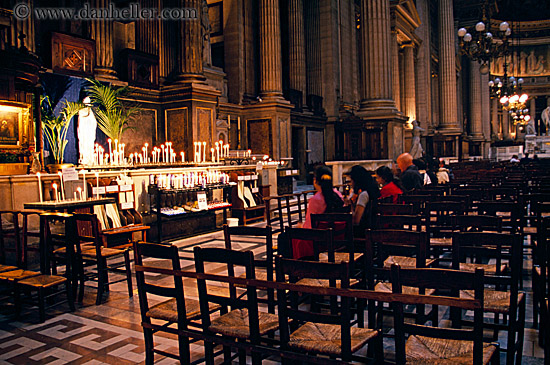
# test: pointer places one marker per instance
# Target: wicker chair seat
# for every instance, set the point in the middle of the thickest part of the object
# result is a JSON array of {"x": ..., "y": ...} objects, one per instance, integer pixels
[
  {"x": 105, "y": 252},
  {"x": 404, "y": 261},
  {"x": 43, "y": 281},
  {"x": 385, "y": 287},
  {"x": 428, "y": 350},
  {"x": 326, "y": 338},
  {"x": 340, "y": 256},
  {"x": 493, "y": 301},
  {"x": 261, "y": 274},
  {"x": 323, "y": 282},
  {"x": 7, "y": 268},
  {"x": 236, "y": 323},
  {"x": 18, "y": 274},
  {"x": 83, "y": 247},
  {"x": 488, "y": 268},
  {"x": 168, "y": 310}
]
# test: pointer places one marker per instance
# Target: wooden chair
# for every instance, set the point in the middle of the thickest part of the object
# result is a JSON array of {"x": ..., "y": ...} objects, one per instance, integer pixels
[
  {"x": 541, "y": 273},
  {"x": 478, "y": 223},
  {"x": 176, "y": 311},
  {"x": 93, "y": 251},
  {"x": 9, "y": 228},
  {"x": 510, "y": 212},
  {"x": 384, "y": 247},
  {"x": 310, "y": 333},
  {"x": 42, "y": 282},
  {"x": 439, "y": 217},
  {"x": 319, "y": 240},
  {"x": 405, "y": 222},
  {"x": 399, "y": 209},
  {"x": 502, "y": 295},
  {"x": 264, "y": 268},
  {"x": 438, "y": 345},
  {"x": 243, "y": 322}
]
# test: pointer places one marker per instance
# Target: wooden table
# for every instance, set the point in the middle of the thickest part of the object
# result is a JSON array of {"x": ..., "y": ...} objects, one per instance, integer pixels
[{"x": 69, "y": 206}]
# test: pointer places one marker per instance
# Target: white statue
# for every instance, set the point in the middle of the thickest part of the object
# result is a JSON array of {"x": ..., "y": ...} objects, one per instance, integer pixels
[
  {"x": 87, "y": 126},
  {"x": 546, "y": 119},
  {"x": 530, "y": 128},
  {"x": 416, "y": 147}
]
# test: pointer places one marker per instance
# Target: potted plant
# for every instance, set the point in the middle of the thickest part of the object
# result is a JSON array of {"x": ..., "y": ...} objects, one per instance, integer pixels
[
  {"x": 112, "y": 114},
  {"x": 56, "y": 127}
]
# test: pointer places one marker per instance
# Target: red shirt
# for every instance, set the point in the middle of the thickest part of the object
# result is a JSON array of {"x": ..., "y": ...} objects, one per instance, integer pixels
[{"x": 390, "y": 190}]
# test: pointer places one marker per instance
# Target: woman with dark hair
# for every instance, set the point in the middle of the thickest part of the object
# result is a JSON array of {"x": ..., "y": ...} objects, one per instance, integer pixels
[
  {"x": 366, "y": 193},
  {"x": 326, "y": 200},
  {"x": 390, "y": 186}
]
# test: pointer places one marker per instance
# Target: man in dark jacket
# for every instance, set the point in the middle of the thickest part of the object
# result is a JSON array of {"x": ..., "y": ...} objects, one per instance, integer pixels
[{"x": 410, "y": 177}]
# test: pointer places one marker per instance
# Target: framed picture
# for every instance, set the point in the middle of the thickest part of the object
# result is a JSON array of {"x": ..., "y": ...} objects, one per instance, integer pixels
[{"x": 14, "y": 119}]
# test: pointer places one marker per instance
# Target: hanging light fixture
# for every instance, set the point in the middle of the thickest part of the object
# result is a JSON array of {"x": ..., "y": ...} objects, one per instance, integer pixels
[{"x": 479, "y": 44}]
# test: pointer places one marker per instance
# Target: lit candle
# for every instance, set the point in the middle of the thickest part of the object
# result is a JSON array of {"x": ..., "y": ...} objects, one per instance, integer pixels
[
  {"x": 146, "y": 155},
  {"x": 54, "y": 186},
  {"x": 83, "y": 182},
  {"x": 79, "y": 190},
  {"x": 199, "y": 152},
  {"x": 212, "y": 151},
  {"x": 97, "y": 184},
  {"x": 62, "y": 186},
  {"x": 249, "y": 152},
  {"x": 116, "y": 151},
  {"x": 110, "y": 150},
  {"x": 203, "y": 151},
  {"x": 228, "y": 121},
  {"x": 39, "y": 187},
  {"x": 106, "y": 158},
  {"x": 162, "y": 147},
  {"x": 182, "y": 156},
  {"x": 122, "y": 153}
]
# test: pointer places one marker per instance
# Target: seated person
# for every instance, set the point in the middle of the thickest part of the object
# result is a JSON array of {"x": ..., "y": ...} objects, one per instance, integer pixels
[
  {"x": 363, "y": 201},
  {"x": 390, "y": 188}
]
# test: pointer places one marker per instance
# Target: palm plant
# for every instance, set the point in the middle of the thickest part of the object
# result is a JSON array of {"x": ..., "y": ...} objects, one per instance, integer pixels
[
  {"x": 56, "y": 127},
  {"x": 112, "y": 114}
]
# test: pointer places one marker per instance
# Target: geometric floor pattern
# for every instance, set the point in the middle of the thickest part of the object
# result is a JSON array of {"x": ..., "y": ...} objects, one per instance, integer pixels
[{"x": 111, "y": 333}]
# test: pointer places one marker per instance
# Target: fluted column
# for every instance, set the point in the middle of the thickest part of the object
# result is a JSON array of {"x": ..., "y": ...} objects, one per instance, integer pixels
[
  {"x": 147, "y": 31},
  {"x": 26, "y": 27},
  {"x": 190, "y": 50},
  {"x": 485, "y": 108},
  {"x": 476, "y": 125},
  {"x": 271, "y": 83},
  {"x": 447, "y": 67},
  {"x": 102, "y": 33},
  {"x": 376, "y": 55},
  {"x": 495, "y": 125},
  {"x": 313, "y": 47},
  {"x": 423, "y": 66},
  {"x": 168, "y": 52},
  {"x": 410, "y": 81},
  {"x": 297, "y": 54},
  {"x": 396, "y": 75}
]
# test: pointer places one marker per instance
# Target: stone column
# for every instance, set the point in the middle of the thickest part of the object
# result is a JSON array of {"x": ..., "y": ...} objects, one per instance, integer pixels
[
  {"x": 313, "y": 47},
  {"x": 476, "y": 125},
  {"x": 376, "y": 56},
  {"x": 23, "y": 30},
  {"x": 447, "y": 68},
  {"x": 271, "y": 83},
  {"x": 147, "y": 31},
  {"x": 423, "y": 67},
  {"x": 396, "y": 87},
  {"x": 410, "y": 87},
  {"x": 296, "y": 47},
  {"x": 102, "y": 33},
  {"x": 485, "y": 108},
  {"x": 495, "y": 127},
  {"x": 533, "y": 109},
  {"x": 190, "y": 50}
]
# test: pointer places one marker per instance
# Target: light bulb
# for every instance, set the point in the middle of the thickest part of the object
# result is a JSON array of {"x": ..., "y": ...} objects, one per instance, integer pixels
[
  {"x": 504, "y": 26},
  {"x": 508, "y": 32},
  {"x": 520, "y": 81},
  {"x": 480, "y": 27},
  {"x": 504, "y": 99},
  {"x": 497, "y": 80},
  {"x": 491, "y": 83},
  {"x": 514, "y": 98},
  {"x": 462, "y": 32},
  {"x": 489, "y": 35},
  {"x": 467, "y": 37},
  {"x": 523, "y": 98},
  {"x": 484, "y": 69},
  {"x": 512, "y": 78},
  {"x": 527, "y": 118}
]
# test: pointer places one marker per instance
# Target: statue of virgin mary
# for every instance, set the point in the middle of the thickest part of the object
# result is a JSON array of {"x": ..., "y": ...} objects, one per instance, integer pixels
[{"x": 87, "y": 125}]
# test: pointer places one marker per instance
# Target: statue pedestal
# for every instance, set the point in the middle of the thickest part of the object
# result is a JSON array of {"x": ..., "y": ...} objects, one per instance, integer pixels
[{"x": 537, "y": 145}]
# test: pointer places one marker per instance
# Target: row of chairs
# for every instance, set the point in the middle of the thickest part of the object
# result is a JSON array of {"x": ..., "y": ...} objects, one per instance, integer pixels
[{"x": 297, "y": 332}]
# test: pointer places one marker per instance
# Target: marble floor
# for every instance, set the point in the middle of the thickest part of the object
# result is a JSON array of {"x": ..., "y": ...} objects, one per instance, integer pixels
[{"x": 111, "y": 333}]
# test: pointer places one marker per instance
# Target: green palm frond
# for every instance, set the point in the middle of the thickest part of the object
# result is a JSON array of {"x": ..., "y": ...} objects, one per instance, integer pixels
[{"x": 113, "y": 116}]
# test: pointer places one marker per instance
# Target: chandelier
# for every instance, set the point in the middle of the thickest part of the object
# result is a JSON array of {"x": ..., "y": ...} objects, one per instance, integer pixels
[{"x": 480, "y": 44}]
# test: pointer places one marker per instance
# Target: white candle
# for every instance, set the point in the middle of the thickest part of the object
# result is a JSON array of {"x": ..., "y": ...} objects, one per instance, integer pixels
[
  {"x": 39, "y": 187},
  {"x": 146, "y": 154},
  {"x": 116, "y": 151},
  {"x": 162, "y": 147},
  {"x": 110, "y": 150},
  {"x": 199, "y": 152},
  {"x": 107, "y": 158},
  {"x": 83, "y": 183},
  {"x": 182, "y": 155},
  {"x": 249, "y": 152},
  {"x": 79, "y": 190},
  {"x": 122, "y": 154},
  {"x": 54, "y": 185},
  {"x": 97, "y": 184},
  {"x": 212, "y": 151},
  {"x": 204, "y": 152},
  {"x": 228, "y": 121},
  {"x": 62, "y": 186}
]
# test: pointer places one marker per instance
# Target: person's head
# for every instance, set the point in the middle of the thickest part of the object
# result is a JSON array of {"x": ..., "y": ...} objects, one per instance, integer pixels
[
  {"x": 404, "y": 160},
  {"x": 384, "y": 175},
  {"x": 361, "y": 180},
  {"x": 419, "y": 163},
  {"x": 322, "y": 180},
  {"x": 515, "y": 156},
  {"x": 527, "y": 155}
]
